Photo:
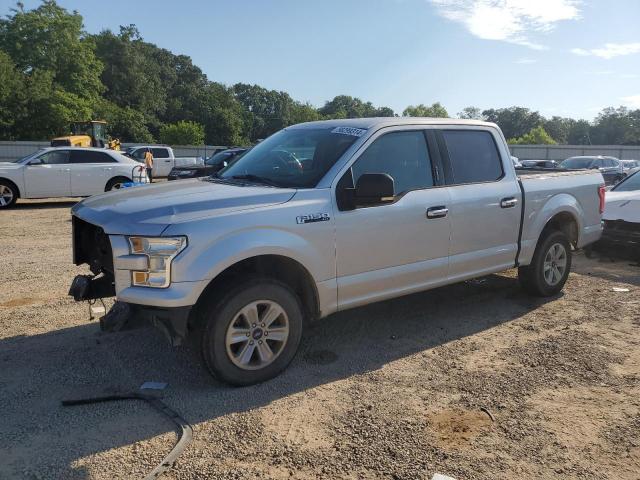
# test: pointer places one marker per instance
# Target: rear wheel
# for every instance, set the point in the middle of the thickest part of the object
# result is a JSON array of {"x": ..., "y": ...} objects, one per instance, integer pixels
[
  {"x": 253, "y": 333},
  {"x": 8, "y": 194},
  {"x": 550, "y": 266},
  {"x": 116, "y": 183}
]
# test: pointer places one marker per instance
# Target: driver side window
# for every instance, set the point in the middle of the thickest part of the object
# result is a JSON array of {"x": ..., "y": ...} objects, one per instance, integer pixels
[
  {"x": 55, "y": 158},
  {"x": 402, "y": 155}
]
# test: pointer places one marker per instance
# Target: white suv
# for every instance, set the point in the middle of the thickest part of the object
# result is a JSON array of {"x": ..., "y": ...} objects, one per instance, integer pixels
[{"x": 66, "y": 172}]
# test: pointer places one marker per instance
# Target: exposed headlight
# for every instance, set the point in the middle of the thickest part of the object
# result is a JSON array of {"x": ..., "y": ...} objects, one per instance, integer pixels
[{"x": 160, "y": 251}]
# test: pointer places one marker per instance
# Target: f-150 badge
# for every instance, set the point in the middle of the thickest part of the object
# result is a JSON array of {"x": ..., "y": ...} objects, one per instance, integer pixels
[{"x": 314, "y": 217}]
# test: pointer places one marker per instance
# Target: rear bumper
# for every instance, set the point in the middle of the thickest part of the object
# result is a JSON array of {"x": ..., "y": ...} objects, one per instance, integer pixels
[{"x": 589, "y": 235}]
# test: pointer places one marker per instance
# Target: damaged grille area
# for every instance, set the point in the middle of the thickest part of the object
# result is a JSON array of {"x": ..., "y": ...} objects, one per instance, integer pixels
[{"x": 91, "y": 246}]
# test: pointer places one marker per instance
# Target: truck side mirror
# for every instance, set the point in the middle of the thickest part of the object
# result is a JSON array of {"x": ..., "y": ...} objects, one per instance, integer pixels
[{"x": 374, "y": 189}]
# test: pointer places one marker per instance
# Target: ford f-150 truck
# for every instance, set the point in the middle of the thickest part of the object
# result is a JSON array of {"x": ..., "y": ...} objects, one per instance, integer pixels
[{"x": 321, "y": 217}]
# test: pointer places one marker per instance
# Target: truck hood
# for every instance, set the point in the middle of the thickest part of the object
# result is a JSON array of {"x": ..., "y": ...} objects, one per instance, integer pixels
[
  {"x": 622, "y": 206},
  {"x": 150, "y": 209}
]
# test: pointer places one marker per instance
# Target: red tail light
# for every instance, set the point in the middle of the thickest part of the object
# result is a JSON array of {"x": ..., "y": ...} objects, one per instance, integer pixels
[{"x": 601, "y": 191}]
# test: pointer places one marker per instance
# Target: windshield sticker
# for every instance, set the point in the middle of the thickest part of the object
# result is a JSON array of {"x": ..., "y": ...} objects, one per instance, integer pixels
[{"x": 354, "y": 132}]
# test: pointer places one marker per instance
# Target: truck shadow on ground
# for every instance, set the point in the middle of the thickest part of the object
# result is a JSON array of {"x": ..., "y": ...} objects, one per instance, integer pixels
[
  {"x": 37, "y": 372},
  {"x": 38, "y": 205}
]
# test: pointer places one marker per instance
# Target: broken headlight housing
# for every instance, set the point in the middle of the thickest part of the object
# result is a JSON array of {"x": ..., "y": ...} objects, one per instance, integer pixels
[{"x": 160, "y": 252}]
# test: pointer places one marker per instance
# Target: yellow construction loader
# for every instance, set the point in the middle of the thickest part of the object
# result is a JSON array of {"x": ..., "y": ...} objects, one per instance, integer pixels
[{"x": 87, "y": 134}]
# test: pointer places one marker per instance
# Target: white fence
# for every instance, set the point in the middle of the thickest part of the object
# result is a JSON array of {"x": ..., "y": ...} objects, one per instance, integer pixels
[
  {"x": 14, "y": 150},
  {"x": 560, "y": 152}
]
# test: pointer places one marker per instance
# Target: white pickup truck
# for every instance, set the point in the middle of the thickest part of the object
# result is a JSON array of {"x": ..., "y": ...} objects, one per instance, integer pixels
[
  {"x": 321, "y": 217},
  {"x": 163, "y": 158}
]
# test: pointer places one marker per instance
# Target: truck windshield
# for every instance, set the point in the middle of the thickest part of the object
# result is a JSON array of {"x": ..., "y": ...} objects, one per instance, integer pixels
[
  {"x": 577, "y": 162},
  {"x": 295, "y": 158}
]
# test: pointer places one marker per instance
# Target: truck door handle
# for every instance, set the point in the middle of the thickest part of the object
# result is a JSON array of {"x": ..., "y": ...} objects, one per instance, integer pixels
[
  {"x": 437, "y": 212},
  {"x": 508, "y": 202}
]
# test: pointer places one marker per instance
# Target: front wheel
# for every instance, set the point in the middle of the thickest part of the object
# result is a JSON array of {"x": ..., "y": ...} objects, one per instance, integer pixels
[
  {"x": 550, "y": 266},
  {"x": 253, "y": 333},
  {"x": 8, "y": 194}
]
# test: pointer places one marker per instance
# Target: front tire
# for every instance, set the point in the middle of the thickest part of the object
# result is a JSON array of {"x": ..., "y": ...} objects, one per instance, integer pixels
[
  {"x": 550, "y": 266},
  {"x": 252, "y": 333},
  {"x": 8, "y": 194}
]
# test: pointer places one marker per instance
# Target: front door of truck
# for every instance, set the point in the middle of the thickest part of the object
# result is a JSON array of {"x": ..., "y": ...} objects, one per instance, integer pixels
[
  {"x": 394, "y": 248},
  {"x": 485, "y": 205}
]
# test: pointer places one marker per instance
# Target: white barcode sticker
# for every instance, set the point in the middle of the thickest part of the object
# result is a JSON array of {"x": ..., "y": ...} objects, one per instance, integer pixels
[{"x": 354, "y": 132}]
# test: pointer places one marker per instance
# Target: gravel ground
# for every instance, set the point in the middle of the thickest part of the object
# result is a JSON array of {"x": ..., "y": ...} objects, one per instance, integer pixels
[{"x": 399, "y": 390}]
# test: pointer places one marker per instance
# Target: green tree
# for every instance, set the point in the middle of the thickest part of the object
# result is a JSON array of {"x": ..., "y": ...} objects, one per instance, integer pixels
[
  {"x": 471, "y": 113},
  {"x": 613, "y": 126},
  {"x": 123, "y": 123},
  {"x": 182, "y": 133},
  {"x": 537, "y": 136},
  {"x": 558, "y": 128},
  {"x": 436, "y": 110},
  {"x": 514, "y": 121},
  {"x": 12, "y": 97},
  {"x": 344, "y": 106},
  {"x": 579, "y": 132},
  {"x": 50, "y": 39}
]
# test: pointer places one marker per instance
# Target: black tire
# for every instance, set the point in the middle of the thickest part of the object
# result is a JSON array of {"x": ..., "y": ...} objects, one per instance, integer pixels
[
  {"x": 114, "y": 183},
  {"x": 532, "y": 277},
  {"x": 218, "y": 316},
  {"x": 8, "y": 194}
]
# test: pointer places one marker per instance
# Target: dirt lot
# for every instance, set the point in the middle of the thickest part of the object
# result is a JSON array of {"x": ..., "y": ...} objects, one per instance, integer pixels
[{"x": 393, "y": 390}]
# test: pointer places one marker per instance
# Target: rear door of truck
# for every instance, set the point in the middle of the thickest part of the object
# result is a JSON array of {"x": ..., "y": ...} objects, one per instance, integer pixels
[{"x": 485, "y": 201}]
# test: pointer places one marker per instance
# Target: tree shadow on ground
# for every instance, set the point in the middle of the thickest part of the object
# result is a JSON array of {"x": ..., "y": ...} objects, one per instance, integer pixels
[{"x": 37, "y": 372}]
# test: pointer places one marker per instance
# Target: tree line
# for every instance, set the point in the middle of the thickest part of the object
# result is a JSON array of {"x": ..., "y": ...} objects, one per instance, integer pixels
[{"x": 53, "y": 72}]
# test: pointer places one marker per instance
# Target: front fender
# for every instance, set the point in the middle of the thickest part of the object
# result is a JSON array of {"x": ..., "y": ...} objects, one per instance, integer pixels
[
  {"x": 209, "y": 261},
  {"x": 538, "y": 212}
]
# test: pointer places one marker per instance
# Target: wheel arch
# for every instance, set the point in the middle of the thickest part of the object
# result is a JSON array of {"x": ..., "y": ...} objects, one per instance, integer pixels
[
  {"x": 565, "y": 222},
  {"x": 116, "y": 177},
  {"x": 278, "y": 267},
  {"x": 15, "y": 185}
]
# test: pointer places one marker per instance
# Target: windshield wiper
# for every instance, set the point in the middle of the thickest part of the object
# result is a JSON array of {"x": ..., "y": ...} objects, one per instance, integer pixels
[{"x": 254, "y": 179}]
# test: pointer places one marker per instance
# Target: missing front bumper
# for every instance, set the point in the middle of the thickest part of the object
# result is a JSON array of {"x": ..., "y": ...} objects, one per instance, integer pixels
[{"x": 173, "y": 322}]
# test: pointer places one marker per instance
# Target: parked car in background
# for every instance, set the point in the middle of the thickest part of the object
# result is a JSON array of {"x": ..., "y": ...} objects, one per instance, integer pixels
[
  {"x": 628, "y": 165},
  {"x": 610, "y": 167},
  {"x": 66, "y": 172},
  {"x": 163, "y": 158},
  {"x": 539, "y": 163},
  {"x": 327, "y": 216},
  {"x": 622, "y": 214},
  {"x": 211, "y": 165}
]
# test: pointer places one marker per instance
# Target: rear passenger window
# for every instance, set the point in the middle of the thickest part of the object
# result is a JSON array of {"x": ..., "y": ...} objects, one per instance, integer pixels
[
  {"x": 86, "y": 156},
  {"x": 473, "y": 155},
  {"x": 403, "y": 155},
  {"x": 160, "y": 153}
]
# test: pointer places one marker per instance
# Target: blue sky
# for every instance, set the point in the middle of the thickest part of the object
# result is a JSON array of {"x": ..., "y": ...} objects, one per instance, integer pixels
[{"x": 561, "y": 57}]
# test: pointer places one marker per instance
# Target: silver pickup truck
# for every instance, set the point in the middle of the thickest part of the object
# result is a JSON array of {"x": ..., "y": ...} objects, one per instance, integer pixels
[{"x": 321, "y": 217}]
